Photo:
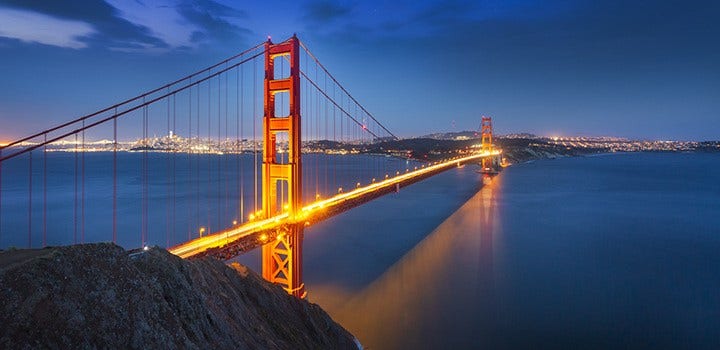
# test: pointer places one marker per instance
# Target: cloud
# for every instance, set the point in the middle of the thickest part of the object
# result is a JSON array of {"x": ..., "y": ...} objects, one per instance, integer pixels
[
  {"x": 163, "y": 22},
  {"x": 370, "y": 21},
  {"x": 214, "y": 20},
  {"x": 130, "y": 26},
  {"x": 33, "y": 27},
  {"x": 324, "y": 11},
  {"x": 111, "y": 30}
]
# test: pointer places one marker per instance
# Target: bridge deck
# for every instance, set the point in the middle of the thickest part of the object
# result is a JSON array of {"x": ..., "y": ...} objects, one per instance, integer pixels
[{"x": 229, "y": 243}]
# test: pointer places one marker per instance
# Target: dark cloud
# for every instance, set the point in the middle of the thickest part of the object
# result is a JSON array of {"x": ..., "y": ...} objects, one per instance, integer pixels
[
  {"x": 325, "y": 11},
  {"x": 112, "y": 30},
  {"x": 212, "y": 17},
  {"x": 388, "y": 21},
  {"x": 217, "y": 9},
  {"x": 214, "y": 20}
]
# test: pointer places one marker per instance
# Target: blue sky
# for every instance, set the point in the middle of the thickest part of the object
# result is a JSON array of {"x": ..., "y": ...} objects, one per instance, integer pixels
[{"x": 634, "y": 69}]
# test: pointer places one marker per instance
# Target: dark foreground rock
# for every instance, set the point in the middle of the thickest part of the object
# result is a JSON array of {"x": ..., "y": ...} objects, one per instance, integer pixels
[{"x": 101, "y": 296}]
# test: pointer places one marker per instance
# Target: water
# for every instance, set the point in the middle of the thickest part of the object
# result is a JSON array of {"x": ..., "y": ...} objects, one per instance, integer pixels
[
  {"x": 616, "y": 251},
  {"x": 184, "y": 193}
]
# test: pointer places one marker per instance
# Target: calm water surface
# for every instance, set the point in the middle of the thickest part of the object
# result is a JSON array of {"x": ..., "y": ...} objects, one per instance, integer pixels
[
  {"x": 64, "y": 198},
  {"x": 616, "y": 251}
]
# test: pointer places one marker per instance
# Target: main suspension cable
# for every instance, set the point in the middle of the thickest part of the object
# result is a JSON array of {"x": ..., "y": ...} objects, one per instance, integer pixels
[{"x": 345, "y": 90}]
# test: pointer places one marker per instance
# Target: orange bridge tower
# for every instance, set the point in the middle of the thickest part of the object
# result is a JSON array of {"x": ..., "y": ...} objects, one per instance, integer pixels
[
  {"x": 282, "y": 257},
  {"x": 486, "y": 143}
]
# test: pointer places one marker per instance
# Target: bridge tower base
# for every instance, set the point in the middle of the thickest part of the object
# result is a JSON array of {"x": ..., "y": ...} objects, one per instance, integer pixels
[{"x": 282, "y": 257}]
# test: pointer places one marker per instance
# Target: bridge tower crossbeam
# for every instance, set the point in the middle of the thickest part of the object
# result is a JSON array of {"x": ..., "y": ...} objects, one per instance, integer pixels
[{"x": 282, "y": 257}]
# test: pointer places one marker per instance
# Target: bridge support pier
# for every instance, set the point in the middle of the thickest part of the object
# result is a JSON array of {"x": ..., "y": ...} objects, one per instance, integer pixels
[{"x": 282, "y": 258}]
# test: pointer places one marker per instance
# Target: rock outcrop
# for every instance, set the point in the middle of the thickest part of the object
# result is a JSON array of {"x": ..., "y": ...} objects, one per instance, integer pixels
[{"x": 101, "y": 296}]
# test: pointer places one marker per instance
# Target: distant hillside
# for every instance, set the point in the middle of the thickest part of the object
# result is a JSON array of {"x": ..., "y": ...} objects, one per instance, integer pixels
[
  {"x": 100, "y": 296},
  {"x": 470, "y": 134}
]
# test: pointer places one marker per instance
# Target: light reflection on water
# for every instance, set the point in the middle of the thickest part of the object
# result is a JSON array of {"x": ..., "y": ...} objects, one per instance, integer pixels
[
  {"x": 410, "y": 304},
  {"x": 595, "y": 253}
]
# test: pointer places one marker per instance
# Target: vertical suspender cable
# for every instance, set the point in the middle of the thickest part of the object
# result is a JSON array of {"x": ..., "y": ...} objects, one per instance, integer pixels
[
  {"x": 209, "y": 158},
  {"x": 303, "y": 124},
  {"x": 219, "y": 158},
  {"x": 335, "y": 165},
  {"x": 239, "y": 101},
  {"x": 114, "y": 195},
  {"x": 75, "y": 202},
  {"x": 226, "y": 171},
  {"x": 167, "y": 172},
  {"x": 317, "y": 138},
  {"x": 30, "y": 188},
  {"x": 145, "y": 190},
  {"x": 174, "y": 176},
  {"x": 44, "y": 228},
  {"x": 197, "y": 162},
  {"x": 189, "y": 165},
  {"x": 255, "y": 153},
  {"x": 326, "y": 137},
  {"x": 82, "y": 198}
]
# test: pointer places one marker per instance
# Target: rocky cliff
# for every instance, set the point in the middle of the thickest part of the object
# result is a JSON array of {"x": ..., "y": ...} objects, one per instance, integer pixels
[{"x": 101, "y": 296}]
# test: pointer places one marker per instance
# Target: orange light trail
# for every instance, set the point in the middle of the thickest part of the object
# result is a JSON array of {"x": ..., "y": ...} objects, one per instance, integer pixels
[{"x": 222, "y": 238}]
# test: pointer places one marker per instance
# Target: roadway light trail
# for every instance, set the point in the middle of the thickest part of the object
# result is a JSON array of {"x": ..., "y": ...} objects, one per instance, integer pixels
[{"x": 313, "y": 211}]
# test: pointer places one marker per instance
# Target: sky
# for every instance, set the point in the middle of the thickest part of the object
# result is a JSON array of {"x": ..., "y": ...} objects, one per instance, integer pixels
[{"x": 635, "y": 69}]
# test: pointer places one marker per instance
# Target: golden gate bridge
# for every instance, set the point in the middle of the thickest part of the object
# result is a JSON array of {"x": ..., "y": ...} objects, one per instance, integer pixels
[{"x": 244, "y": 111}]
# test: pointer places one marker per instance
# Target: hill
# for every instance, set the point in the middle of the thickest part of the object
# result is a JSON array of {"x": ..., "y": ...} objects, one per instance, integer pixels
[{"x": 101, "y": 296}]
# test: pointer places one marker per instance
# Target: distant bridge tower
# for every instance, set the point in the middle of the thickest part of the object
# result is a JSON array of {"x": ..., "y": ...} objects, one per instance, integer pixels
[
  {"x": 486, "y": 131},
  {"x": 282, "y": 257}
]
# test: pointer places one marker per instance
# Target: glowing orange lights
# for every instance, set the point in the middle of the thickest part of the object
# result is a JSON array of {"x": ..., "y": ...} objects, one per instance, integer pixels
[
  {"x": 313, "y": 210},
  {"x": 488, "y": 164},
  {"x": 282, "y": 258}
]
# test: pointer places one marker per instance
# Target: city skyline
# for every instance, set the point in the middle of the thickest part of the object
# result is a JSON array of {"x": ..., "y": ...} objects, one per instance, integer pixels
[{"x": 558, "y": 68}]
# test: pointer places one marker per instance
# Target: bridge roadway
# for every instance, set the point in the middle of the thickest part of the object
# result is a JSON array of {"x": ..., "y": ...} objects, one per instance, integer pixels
[{"x": 235, "y": 240}]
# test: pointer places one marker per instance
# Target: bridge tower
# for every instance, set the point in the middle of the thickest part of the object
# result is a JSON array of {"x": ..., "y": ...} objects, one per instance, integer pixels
[
  {"x": 486, "y": 134},
  {"x": 282, "y": 257}
]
